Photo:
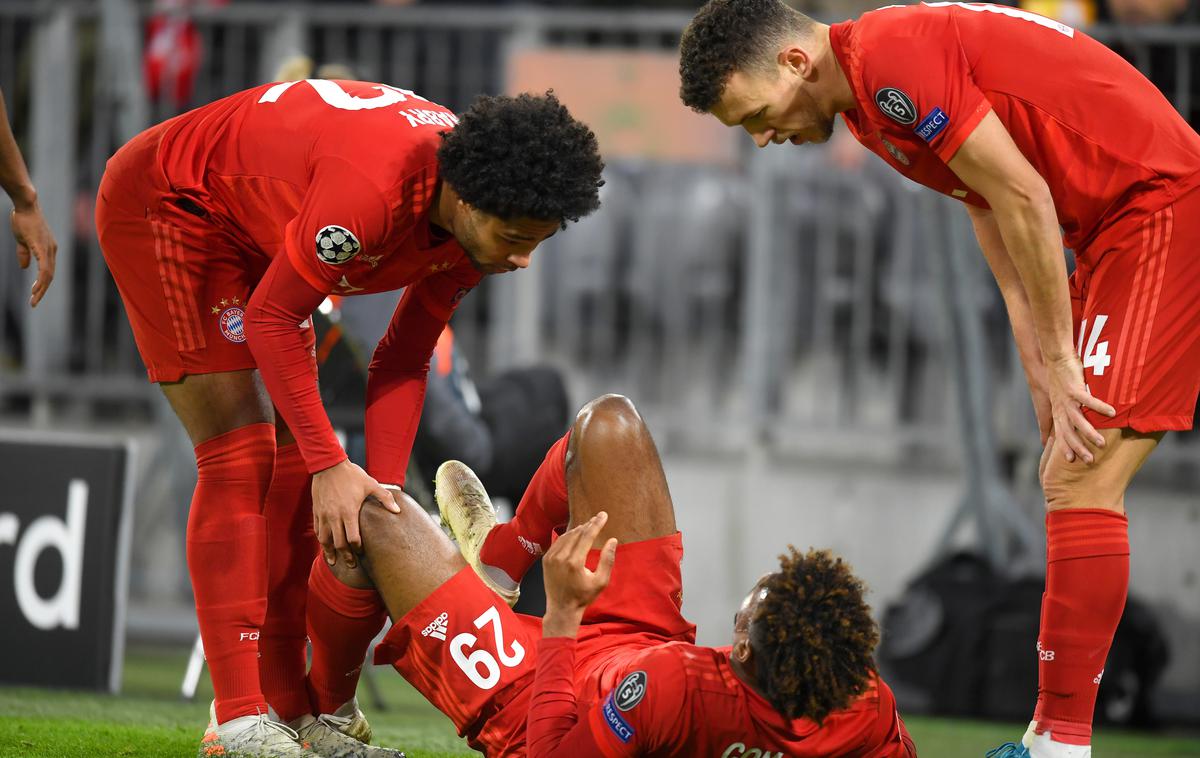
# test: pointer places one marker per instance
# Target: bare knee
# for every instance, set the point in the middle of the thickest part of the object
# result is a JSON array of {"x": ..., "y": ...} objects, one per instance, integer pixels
[
  {"x": 1062, "y": 483},
  {"x": 1102, "y": 483},
  {"x": 610, "y": 416},
  {"x": 378, "y": 525}
]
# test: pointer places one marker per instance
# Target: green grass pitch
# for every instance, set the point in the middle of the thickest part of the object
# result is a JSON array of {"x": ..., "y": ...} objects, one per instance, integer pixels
[{"x": 149, "y": 720}]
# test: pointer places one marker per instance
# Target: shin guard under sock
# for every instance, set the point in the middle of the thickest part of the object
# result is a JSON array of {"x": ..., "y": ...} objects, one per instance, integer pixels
[
  {"x": 515, "y": 546},
  {"x": 291, "y": 546},
  {"x": 342, "y": 621},
  {"x": 1087, "y": 578},
  {"x": 227, "y": 561}
]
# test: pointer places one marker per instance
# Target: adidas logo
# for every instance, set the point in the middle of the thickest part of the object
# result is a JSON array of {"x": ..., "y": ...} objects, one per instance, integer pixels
[
  {"x": 437, "y": 628},
  {"x": 530, "y": 546}
]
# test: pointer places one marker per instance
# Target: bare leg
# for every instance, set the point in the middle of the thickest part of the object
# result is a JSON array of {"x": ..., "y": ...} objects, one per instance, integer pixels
[
  {"x": 213, "y": 404},
  {"x": 1102, "y": 483},
  {"x": 613, "y": 466},
  {"x": 407, "y": 555}
]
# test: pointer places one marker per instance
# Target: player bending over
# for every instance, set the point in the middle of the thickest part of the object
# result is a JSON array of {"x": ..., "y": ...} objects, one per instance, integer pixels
[
  {"x": 613, "y": 668},
  {"x": 225, "y": 228},
  {"x": 1047, "y": 138}
]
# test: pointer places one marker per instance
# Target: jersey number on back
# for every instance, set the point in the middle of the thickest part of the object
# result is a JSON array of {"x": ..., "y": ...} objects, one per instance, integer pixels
[
  {"x": 472, "y": 664},
  {"x": 1004, "y": 10},
  {"x": 339, "y": 98}
]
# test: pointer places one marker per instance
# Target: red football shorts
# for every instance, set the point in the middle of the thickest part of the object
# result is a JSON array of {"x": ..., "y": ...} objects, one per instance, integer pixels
[
  {"x": 1137, "y": 318},
  {"x": 184, "y": 281},
  {"x": 473, "y": 658}
]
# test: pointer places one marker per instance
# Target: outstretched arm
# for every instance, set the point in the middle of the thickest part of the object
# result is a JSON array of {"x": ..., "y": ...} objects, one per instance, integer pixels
[{"x": 33, "y": 235}]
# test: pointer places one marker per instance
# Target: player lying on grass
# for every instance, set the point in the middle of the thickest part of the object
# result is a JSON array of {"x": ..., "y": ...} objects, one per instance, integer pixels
[{"x": 613, "y": 668}]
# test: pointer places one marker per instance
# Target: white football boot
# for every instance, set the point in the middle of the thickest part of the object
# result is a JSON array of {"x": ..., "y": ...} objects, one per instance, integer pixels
[
  {"x": 323, "y": 736},
  {"x": 468, "y": 513},
  {"x": 250, "y": 737}
]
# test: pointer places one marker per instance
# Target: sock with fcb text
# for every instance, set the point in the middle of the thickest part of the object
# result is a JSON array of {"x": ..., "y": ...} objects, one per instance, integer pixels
[
  {"x": 342, "y": 621},
  {"x": 227, "y": 561},
  {"x": 514, "y": 547},
  {"x": 1087, "y": 578},
  {"x": 291, "y": 546}
]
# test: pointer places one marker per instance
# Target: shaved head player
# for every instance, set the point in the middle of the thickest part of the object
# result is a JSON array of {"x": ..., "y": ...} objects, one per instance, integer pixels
[
  {"x": 612, "y": 669},
  {"x": 224, "y": 229},
  {"x": 1048, "y": 138}
]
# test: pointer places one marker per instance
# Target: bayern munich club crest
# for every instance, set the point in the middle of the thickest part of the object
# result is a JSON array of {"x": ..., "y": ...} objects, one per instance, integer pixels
[
  {"x": 336, "y": 245},
  {"x": 233, "y": 324}
]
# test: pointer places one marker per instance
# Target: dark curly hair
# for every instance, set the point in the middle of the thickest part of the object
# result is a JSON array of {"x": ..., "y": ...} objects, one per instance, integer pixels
[
  {"x": 523, "y": 157},
  {"x": 728, "y": 36},
  {"x": 813, "y": 636}
]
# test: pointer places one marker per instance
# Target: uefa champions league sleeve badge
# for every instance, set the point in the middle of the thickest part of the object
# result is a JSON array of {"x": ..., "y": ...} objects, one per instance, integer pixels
[{"x": 336, "y": 245}]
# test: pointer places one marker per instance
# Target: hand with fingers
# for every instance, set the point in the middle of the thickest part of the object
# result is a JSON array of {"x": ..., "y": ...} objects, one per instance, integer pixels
[
  {"x": 1069, "y": 395},
  {"x": 35, "y": 241},
  {"x": 338, "y": 495},
  {"x": 570, "y": 585}
]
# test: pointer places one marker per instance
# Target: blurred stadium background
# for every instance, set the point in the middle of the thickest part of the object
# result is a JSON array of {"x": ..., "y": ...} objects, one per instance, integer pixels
[{"x": 816, "y": 344}]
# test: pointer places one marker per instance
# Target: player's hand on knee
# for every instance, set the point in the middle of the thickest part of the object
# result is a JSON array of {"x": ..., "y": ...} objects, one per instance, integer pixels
[
  {"x": 570, "y": 584},
  {"x": 1069, "y": 396},
  {"x": 338, "y": 494}
]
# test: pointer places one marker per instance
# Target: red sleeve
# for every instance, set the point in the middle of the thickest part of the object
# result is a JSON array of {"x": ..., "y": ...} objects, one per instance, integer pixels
[
  {"x": 343, "y": 215},
  {"x": 920, "y": 79},
  {"x": 641, "y": 714},
  {"x": 400, "y": 366},
  {"x": 553, "y": 726},
  {"x": 278, "y": 305}
]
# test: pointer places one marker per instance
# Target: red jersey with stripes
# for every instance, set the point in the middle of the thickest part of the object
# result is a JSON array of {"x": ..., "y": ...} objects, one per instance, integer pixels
[
  {"x": 339, "y": 175},
  {"x": 1102, "y": 136},
  {"x": 326, "y": 187}
]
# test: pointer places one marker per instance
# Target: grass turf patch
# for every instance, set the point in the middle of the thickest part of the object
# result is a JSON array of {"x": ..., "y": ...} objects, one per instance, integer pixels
[{"x": 150, "y": 720}]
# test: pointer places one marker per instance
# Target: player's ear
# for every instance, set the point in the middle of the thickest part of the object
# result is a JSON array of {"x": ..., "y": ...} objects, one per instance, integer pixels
[
  {"x": 795, "y": 58},
  {"x": 742, "y": 653}
]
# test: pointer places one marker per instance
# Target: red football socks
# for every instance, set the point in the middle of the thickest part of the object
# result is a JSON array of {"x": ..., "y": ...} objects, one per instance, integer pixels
[
  {"x": 514, "y": 547},
  {"x": 342, "y": 621},
  {"x": 227, "y": 561},
  {"x": 1087, "y": 578},
  {"x": 290, "y": 548}
]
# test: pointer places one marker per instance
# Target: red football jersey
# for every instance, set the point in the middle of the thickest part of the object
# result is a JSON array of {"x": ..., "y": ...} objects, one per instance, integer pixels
[
  {"x": 683, "y": 700},
  {"x": 325, "y": 187},
  {"x": 338, "y": 174},
  {"x": 1102, "y": 136}
]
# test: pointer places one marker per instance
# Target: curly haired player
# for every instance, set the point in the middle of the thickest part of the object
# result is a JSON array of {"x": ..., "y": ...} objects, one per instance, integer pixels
[
  {"x": 1049, "y": 139},
  {"x": 613, "y": 668},
  {"x": 224, "y": 229}
]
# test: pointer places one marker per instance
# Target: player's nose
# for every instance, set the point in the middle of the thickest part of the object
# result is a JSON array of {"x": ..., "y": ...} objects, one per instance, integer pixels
[
  {"x": 520, "y": 260},
  {"x": 763, "y": 138}
]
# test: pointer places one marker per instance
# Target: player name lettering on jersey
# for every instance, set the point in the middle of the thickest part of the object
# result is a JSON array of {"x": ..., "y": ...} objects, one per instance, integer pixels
[
  {"x": 739, "y": 750},
  {"x": 421, "y": 116}
]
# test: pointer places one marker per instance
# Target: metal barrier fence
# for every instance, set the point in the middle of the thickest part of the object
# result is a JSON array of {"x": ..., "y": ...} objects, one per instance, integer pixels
[{"x": 789, "y": 303}]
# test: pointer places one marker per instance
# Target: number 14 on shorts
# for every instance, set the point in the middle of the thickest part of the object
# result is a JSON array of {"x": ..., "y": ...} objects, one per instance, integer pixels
[{"x": 1096, "y": 356}]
